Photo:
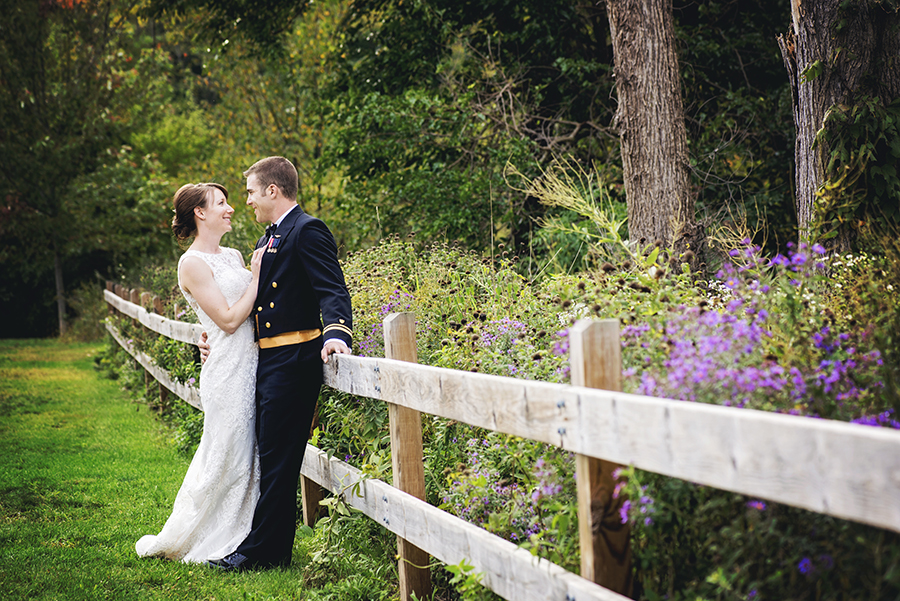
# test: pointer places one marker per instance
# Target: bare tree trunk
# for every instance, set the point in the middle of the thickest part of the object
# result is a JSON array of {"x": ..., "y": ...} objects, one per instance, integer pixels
[
  {"x": 60, "y": 293},
  {"x": 650, "y": 122},
  {"x": 831, "y": 53}
]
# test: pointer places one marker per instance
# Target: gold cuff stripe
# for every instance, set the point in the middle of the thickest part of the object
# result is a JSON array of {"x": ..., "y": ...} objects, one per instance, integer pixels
[{"x": 339, "y": 327}]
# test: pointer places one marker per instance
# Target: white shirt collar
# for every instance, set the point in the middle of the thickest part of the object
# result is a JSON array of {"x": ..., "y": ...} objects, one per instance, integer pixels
[{"x": 278, "y": 221}]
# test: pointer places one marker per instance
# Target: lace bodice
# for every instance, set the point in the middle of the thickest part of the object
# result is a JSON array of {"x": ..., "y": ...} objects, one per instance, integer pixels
[{"x": 230, "y": 275}]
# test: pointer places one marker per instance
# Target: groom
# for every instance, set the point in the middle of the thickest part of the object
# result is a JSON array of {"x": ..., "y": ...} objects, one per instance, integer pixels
[{"x": 299, "y": 279}]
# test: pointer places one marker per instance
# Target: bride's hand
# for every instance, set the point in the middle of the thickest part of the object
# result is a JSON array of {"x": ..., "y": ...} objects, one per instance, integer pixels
[
  {"x": 256, "y": 261},
  {"x": 204, "y": 348}
]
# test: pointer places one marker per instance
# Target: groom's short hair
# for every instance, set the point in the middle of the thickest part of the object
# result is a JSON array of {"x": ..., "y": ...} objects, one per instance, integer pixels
[{"x": 278, "y": 171}]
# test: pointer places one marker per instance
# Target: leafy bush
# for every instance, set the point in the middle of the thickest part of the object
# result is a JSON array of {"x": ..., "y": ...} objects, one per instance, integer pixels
[
  {"x": 715, "y": 341},
  {"x": 827, "y": 354},
  {"x": 772, "y": 345},
  {"x": 530, "y": 504}
]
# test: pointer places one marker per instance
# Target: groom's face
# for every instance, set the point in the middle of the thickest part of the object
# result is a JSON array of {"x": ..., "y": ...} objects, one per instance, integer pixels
[{"x": 262, "y": 201}]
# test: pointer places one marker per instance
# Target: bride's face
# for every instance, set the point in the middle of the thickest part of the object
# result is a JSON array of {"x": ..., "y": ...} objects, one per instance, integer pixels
[{"x": 218, "y": 212}]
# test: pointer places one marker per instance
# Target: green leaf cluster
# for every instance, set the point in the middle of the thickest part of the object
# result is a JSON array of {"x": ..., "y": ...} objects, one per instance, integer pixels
[{"x": 861, "y": 144}]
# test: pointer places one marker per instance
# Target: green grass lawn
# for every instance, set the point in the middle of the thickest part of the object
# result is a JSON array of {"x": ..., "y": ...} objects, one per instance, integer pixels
[{"x": 84, "y": 472}]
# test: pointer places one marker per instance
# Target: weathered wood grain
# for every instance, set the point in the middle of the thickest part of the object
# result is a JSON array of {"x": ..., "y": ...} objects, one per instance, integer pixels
[
  {"x": 595, "y": 358},
  {"x": 511, "y": 572},
  {"x": 186, "y": 393},
  {"x": 407, "y": 455},
  {"x": 844, "y": 470},
  {"x": 177, "y": 330}
]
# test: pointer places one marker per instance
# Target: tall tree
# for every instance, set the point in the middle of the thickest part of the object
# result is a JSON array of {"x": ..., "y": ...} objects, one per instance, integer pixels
[
  {"x": 840, "y": 56},
  {"x": 650, "y": 122},
  {"x": 56, "y": 81},
  {"x": 67, "y": 86}
]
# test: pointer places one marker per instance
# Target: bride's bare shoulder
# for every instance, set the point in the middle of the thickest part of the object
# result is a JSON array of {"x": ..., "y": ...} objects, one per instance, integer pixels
[{"x": 194, "y": 270}]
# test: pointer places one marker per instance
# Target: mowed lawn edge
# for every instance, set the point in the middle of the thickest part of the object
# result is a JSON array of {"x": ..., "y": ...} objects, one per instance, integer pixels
[{"x": 84, "y": 472}]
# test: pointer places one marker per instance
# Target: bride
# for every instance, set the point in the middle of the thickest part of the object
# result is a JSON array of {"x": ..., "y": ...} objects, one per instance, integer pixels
[{"x": 213, "y": 510}]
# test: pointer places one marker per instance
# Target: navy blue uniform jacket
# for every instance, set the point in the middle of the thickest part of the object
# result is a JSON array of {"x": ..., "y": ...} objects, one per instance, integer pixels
[{"x": 299, "y": 279}]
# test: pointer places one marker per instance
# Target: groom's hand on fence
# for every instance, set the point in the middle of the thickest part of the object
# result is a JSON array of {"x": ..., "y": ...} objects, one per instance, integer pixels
[
  {"x": 204, "y": 348},
  {"x": 335, "y": 345}
]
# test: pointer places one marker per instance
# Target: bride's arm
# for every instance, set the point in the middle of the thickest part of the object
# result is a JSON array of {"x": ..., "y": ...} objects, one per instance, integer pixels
[{"x": 197, "y": 278}]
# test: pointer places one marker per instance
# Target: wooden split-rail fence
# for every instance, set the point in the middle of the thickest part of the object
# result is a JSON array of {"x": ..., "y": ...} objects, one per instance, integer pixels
[{"x": 834, "y": 468}]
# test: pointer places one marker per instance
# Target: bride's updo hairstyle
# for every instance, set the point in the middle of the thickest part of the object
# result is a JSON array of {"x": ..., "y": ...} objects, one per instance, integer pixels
[{"x": 188, "y": 198}]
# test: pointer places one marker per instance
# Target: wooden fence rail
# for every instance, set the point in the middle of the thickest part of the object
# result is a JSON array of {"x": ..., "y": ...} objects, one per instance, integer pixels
[{"x": 839, "y": 469}]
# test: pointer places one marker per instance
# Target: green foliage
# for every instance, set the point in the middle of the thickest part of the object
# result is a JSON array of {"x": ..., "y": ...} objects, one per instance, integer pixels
[
  {"x": 420, "y": 162},
  {"x": 691, "y": 541},
  {"x": 463, "y": 304},
  {"x": 97, "y": 202},
  {"x": 261, "y": 23},
  {"x": 90, "y": 311},
  {"x": 355, "y": 430},
  {"x": 739, "y": 117},
  {"x": 467, "y": 582},
  {"x": 367, "y": 573},
  {"x": 431, "y": 99},
  {"x": 58, "y": 72},
  {"x": 862, "y": 291},
  {"x": 79, "y": 78},
  {"x": 519, "y": 490},
  {"x": 179, "y": 359},
  {"x": 591, "y": 212},
  {"x": 861, "y": 194},
  {"x": 177, "y": 139}
]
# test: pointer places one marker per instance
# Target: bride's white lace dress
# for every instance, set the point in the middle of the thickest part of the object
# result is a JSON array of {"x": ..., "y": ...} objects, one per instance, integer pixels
[{"x": 213, "y": 510}]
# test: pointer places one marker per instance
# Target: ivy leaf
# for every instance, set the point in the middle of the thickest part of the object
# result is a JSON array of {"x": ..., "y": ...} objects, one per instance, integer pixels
[{"x": 812, "y": 71}]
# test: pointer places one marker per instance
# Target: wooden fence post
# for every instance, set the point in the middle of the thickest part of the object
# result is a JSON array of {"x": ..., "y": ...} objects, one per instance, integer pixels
[
  {"x": 407, "y": 455},
  {"x": 158, "y": 305},
  {"x": 311, "y": 493},
  {"x": 145, "y": 300},
  {"x": 111, "y": 287},
  {"x": 595, "y": 357},
  {"x": 163, "y": 397},
  {"x": 135, "y": 296}
]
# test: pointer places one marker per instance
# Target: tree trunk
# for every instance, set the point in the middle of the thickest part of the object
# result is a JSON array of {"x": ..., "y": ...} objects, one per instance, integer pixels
[
  {"x": 831, "y": 53},
  {"x": 650, "y": 123},
  {"x": 60, "y": 293}
]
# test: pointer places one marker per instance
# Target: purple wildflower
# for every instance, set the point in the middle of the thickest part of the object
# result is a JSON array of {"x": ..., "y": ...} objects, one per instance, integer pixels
[{"x": 623, "y": 511}]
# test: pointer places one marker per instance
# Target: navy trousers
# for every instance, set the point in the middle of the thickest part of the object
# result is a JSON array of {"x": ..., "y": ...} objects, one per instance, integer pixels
[{"x": 288, "y": 381}]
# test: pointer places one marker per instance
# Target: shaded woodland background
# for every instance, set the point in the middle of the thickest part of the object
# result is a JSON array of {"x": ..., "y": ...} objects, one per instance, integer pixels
[{"x": 402, "y": 117}]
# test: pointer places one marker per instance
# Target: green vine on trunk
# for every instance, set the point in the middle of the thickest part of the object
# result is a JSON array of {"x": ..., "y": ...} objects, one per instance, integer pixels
[{"x": 862, "y": 183}]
